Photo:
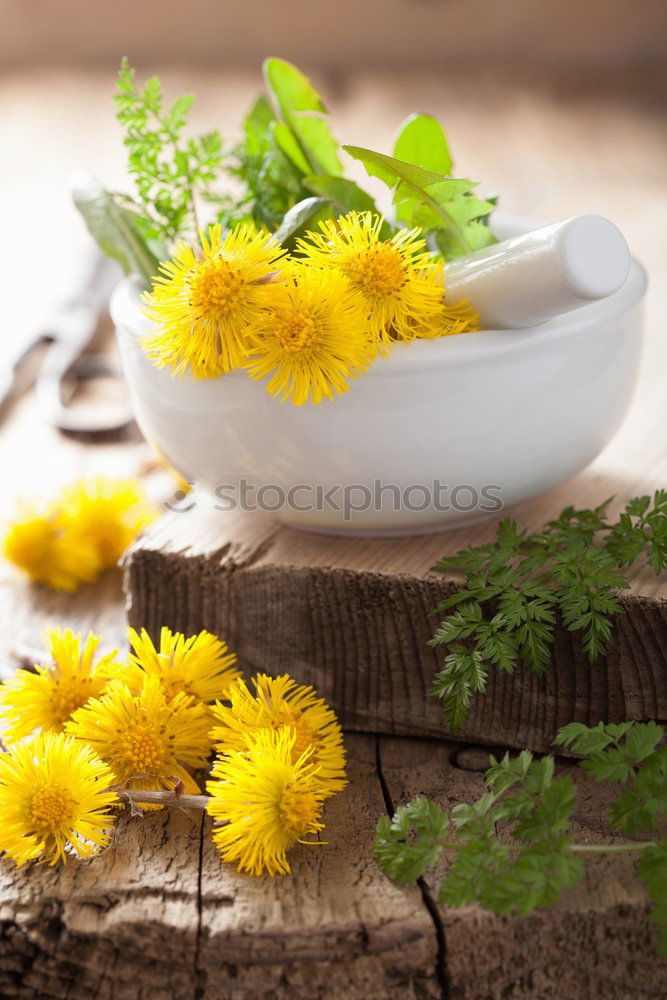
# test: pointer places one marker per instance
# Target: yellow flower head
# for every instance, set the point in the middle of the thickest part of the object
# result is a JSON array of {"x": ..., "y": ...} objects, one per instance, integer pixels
[
  {"x": 108, "y": 512},
  {"x": 45, "y": 699},
  {"x": 43, "y": 545},
  {"x": 267, "y": 801},
  {"x": 311, "y": 337},
  {"x": 54, "y": 794},
  {"x": 397, "y": 278},
  {"x": 278, "y": 703},
  {"x": 200, "y": 666},
  {"x": 450, "y": 319},
  {"x": 204, "y": 302},
  {"x": 147, "y": 740}
]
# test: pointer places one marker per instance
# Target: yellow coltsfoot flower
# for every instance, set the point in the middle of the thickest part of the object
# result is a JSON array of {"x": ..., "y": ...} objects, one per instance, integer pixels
[
  {"x": 200, "y": 666},
  {"x": 279, "y": 703},
  {"x": 311, "y": 336},
  {"x": 204, "y": 301},
  {"x": 148, "y": 740},
  {"x": 398, "y": 279},
  {"x": 44, "y": 545},
  {"x": 449, "y": 320},
  {"x": 266, "y": 801},
  {"x": 82, "y": 532},
  {"x": 46, "y": 698},
  {"x": 109, "y": 512},
  {"x": 55, "y": 797}
]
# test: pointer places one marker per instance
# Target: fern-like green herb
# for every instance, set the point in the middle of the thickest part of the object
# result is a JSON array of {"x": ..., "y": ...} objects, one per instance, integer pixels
[
  {"x": 169, "y": 170},
  {"x": 512, "y": 849},
  {"x": 519, "y": 587},
  {"x": 286, "y": 171}
]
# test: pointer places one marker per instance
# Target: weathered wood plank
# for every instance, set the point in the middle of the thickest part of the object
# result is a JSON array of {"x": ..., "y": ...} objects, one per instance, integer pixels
[
  {"x": 597, "y": 942},
  {"x": 118, "y": 927},
  {"x": 336, "y": 929},
  {"x": 353, "y": 617}
]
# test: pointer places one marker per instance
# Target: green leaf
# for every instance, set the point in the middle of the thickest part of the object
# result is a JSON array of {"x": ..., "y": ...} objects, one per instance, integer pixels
[
  {"x": 345, "y": 195},
  {"x": 428, "y": 187},
  {"x": 643, "y": 800},
  {"x": 410, "y": 842},
  {"x": 301, "y": 217},
  {"x": 320, "y": 146},
  {"x": 168, "y": 170},
  {"x": 584, "y": 740},
  {"x": 524, "y": 584},
  {"x": 422, "y": 140},
  {"x": 652, "y": 870},
  {"x": 478, "y": 235},
  {"x": 112, "y": 226},
  {"x": 300, "y": 107},
  {"x": 292, "y": 90},
  {"x": 511, "y": 849},
  {"x": 288, "y": 144},
  {"x": 257, "y": 122}
]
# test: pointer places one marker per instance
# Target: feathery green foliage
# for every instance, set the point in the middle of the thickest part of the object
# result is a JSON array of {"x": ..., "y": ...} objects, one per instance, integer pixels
[
  {"x": 512, "y": 850},
  {"x": 169, "y": 170},
  {"x": 517, "y": 589},
  {"x": 286, "y": 173}
]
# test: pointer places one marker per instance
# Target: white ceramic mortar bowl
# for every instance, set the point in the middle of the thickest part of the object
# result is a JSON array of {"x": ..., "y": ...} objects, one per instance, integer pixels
[{"x": 519, "y": 411}]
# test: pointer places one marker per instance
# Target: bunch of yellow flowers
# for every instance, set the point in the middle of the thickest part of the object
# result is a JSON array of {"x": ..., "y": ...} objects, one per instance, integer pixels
[
  {"x": 309, "y": 321},
  {"x": 72, "y": 539},
  {"x": 87, "y": 733}
]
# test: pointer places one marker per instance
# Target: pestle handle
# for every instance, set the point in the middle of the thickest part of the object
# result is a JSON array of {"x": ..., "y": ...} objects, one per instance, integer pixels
[{"x": 529, "y": 279}]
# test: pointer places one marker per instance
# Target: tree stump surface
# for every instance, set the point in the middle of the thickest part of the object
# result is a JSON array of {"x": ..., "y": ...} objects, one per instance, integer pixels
[
  {"x": 158, "y": 916},
  {"x": 353, "y": 617}
]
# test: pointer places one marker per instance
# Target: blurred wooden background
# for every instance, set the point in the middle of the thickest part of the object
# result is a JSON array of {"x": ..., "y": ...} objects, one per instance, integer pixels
[{"x": 611, "y": 37}]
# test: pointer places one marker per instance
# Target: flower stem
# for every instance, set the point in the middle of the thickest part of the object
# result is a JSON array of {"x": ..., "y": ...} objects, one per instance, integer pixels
[
  {"x": 634, "y": 845},
  {"x": 166, "y": 797},
  {"x": 639, "y": 845}
]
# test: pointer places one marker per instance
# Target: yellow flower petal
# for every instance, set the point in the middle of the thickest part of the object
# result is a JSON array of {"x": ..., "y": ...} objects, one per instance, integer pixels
[
  {"x": 46, "y": 548},
  {"x": 148, "y": 741},
  {"x": 200, "y": 666},
  {"x": 311, "y": 337},
  {"x": 109, "y": 512},
  {"x": 204, "y": 302},
  {"x": 399, "y": 279},
  {"x": 46, "y": 698},
  {"x": 55, "y": 797},
  {"x": 84, "y": 531},
  {"x": 266, "y": 801},
  {"x": 279, "y": 703}
]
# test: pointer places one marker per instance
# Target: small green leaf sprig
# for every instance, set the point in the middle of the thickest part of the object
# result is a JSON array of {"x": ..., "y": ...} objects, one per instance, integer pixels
[
  {"x": 512, "y": 849},
  {"x": 518, "y": 587},
  {"x": 169, "y": 171},
  {"x": 287, "y": 171}
]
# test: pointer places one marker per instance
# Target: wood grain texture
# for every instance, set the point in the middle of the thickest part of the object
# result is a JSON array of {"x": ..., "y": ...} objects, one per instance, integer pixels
[
  {"x": 353, "y": 618},
  {"x": 158, "y": 916},
  {"x": 336, "y": 928},
  {"x": 598, "y": 941},
  {"x": 122, "y": 926}
]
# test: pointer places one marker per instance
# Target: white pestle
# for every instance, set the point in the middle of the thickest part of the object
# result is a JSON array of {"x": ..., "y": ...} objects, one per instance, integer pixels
[{"x": 532, "y": 278}]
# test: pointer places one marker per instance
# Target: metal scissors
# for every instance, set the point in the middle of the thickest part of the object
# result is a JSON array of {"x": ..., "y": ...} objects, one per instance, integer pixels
[{"x": 67, "y": 361}]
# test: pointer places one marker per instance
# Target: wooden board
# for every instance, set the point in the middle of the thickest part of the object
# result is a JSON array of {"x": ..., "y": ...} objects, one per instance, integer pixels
[
  {"x": 353, "y": 617},
  {"x": 158, "y": 916},
  {"x": 587, "y": 947}
]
